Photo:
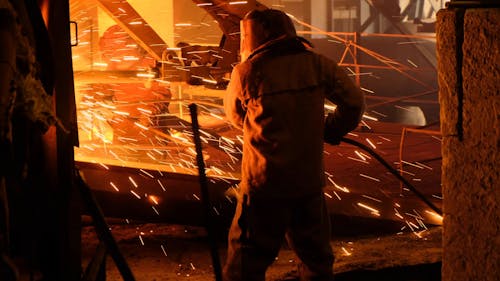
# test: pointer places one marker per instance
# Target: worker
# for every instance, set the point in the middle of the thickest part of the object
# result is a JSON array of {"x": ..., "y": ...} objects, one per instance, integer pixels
[{"x": 276, "y": 96}]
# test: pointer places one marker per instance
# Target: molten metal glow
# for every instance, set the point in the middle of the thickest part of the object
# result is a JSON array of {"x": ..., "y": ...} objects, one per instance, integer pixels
[
  {"x": 435, "y": 216},
  {"x": 154, "y": 199}
]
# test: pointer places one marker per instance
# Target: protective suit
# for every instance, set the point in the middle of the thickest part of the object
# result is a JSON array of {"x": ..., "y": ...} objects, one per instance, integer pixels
[{"x": 276, "y": 95}]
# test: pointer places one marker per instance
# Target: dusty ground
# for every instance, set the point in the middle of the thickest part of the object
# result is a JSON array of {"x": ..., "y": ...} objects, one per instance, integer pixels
[{"x": 172, "y": 252}]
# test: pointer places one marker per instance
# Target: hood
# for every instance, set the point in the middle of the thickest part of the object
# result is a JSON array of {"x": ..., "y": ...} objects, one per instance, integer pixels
[{"x": 259, "y": 27}]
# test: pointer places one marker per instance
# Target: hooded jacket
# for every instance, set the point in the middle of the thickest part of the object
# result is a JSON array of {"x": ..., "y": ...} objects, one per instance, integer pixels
[{"x": 277, "y": 97}]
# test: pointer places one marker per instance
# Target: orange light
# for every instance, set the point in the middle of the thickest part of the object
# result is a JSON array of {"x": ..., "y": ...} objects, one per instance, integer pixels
[
  {"x": 154, "y": 199},
  {"x": 346, "y": 252},
  {"x": 435, "y": 216}
]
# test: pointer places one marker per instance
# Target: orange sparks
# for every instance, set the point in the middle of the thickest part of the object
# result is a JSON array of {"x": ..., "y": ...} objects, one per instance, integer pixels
[
  {"x": 341, "y": 188},
  {"x": 412, "y": 63},
  {"x": 369, "y": 117},
  {"x": 147, "y": 111},
  {"x": 146, "y": 173},
  {"x": 191, "y": 150},
  {"x": 145, "y": 75},
  {"x": 368, "y": 177},
  {"x": 330, "y": 107},
  {"x": 386, "y": 139},
  {"x": 370, "y": 143},
  {"x": 238, "y": 2},
  {"x": 435, "y": 215},
  {"x": 130, "y": 58},
  {"x": 133, "y": 182},
  {"x": 164, "y": 251},
  {"x": 103, "y": 64},
  {"x": 227, "y": 140},
  {"x": 114, "y": 186},
  {"x": 371, "y": 209},
  {"x": 216, "y": 116},
  {"x": 366, "y": 90},
  {"x": 360, "y": 155},
  {"x": 161, "y": 185},
  {"x": 338, "y": 197},
  {"x": 211, "y": 81},
  {"x": 411, "y": 164},
  {"x": 154, "y": 199},
  {"x": 372, "y": 198},
  {"x": 150, "y": 156},
  {"x": 413, "y": 225},
  {"x": 423, "y": 165},
  {"x": 141, "y": 126},
  {"x": 135, "y": 194},
  {"x": 346, "y": 252},
  {"x": 105, "y": 105},
  {"x": 398, "y": 214}
]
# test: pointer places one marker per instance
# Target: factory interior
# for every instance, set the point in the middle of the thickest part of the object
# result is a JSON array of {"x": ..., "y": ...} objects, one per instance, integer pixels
[{"x": 102, "y": 179}]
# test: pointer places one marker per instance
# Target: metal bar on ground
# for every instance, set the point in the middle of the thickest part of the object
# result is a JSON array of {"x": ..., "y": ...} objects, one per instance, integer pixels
[
  {"x": 102, "y": 229},
  {"x": 96, "y": 269}
]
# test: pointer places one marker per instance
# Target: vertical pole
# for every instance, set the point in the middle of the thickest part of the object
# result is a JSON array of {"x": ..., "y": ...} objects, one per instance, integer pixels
[
  {"x": 66, "y": 250},
  {"x": 355, "y": 52},
  {"x": 204, "y": 192}
]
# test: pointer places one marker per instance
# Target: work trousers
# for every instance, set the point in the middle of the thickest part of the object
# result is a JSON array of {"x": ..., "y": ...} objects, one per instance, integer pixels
[{"x": 259, "y": 228}]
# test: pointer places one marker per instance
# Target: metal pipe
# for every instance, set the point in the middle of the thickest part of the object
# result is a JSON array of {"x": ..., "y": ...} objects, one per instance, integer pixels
[
  {"x": 395, "y": 173},
  {"x": 204, "y": 192}
]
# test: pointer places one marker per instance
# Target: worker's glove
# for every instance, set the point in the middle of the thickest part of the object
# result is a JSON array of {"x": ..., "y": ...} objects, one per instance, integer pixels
[
  {"x": 332, "y": 135},
  {"x": 331, "y": 138}
]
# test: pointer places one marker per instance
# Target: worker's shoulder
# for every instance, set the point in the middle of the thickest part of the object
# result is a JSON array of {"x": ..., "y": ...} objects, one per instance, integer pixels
[
  {"x": 243, "y": 68},
  {"x": 321, "y": 57}
]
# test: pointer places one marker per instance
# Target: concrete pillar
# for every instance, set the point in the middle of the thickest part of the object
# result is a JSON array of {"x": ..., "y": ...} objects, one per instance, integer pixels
[{"x": 468, "y": 50}]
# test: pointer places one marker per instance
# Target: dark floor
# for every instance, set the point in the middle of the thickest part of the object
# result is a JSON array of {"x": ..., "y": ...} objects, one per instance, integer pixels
[
  {"x": 157, "y": 252},
  {"x": 421, "y": 272}
]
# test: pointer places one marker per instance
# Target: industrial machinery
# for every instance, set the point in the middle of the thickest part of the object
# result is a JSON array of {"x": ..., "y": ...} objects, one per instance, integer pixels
[{"x": 138, "y": 67}]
